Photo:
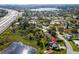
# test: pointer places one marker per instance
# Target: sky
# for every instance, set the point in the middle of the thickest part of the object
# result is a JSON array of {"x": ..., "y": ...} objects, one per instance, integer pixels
[{"x": 39, "y": 1}]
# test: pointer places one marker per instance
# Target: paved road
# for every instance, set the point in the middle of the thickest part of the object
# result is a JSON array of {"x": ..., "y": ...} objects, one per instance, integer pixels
[
  {"x": 69, "y": 47},
  {"x": 7, "y": 20}
]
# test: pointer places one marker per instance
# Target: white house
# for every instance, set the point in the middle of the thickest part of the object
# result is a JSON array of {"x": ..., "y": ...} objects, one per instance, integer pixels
[
  {"x": 68, "y": 36},
  {"x": 76, "y": 42}
]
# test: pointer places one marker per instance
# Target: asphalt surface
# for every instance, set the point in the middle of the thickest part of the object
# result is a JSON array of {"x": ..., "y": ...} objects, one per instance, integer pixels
[{"x": 6, "y": 21}]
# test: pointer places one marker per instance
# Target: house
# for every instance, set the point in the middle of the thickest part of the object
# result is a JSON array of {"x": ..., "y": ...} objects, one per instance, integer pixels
[
  {"x": 17, "y": 24},
  {"x": 34, "y": 17},
  {"x": 55, "y": 22},
  {"x": 76, "y": 42},
  {"x": 54, "y": 45},
  {"x": 53, "y": 40},
  {"x": 32, "y": 22},
  {"x": 68, "y": 36},
  {"x": 77, "y": 21}
]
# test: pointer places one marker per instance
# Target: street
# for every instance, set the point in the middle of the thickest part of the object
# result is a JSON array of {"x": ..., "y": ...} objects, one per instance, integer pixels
[{"x": 68, "y": 46}]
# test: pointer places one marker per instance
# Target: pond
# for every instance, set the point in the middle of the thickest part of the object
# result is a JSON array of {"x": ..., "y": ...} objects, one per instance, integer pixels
[{"x": 19, "y": 48}]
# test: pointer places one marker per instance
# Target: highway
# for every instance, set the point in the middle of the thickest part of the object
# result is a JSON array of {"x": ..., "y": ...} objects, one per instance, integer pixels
[{"x": 6, "y": 21}]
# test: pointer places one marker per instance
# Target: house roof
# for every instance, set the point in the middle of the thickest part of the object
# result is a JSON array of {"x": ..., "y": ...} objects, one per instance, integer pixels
[
  {"x": 53, "y": 40},
  {"x": 76, "y": 41}
]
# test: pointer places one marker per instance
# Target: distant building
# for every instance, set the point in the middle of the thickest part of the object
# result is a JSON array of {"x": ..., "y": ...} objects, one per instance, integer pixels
[
  {"x": 77, "y": 21},
  {"x": 34, "y": 17},
  {"x": 66, "y": 25},
  {"x": 76, "y": 42},
  {"x": 68, "y": 36},
  {"x": 55, "y": 22}
]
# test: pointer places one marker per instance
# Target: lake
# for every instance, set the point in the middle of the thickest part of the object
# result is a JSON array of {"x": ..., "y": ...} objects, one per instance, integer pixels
[{"x": 19, "y": 48}]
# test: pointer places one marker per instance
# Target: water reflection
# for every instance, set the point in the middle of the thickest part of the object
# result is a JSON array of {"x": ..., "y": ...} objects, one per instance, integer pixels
[{"x": 19, "y": 48}]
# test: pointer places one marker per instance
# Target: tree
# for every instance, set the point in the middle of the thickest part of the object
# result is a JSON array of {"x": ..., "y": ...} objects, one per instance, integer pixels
[
  {"x": 30, "y": 36},
  {"x": 19, "y": 19},
  {"x": 13, "y": 29},
  {"x": 74, "y": 31},
  {"x": 51, "y": 29},
  {"x": 43, "y": 43},
  {"x": 60, "y": 28}
]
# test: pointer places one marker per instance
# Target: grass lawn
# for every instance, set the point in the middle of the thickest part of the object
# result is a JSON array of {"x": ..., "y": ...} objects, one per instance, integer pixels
[
  {"x": 75, "y": 48},
  {"x": 75, "y": 37},
  {"x": 61, "y": 44},
  {"x": 4, "y": 46},
  {"x": 16, "y": 37},
  {"x": 60, "y": 52}
]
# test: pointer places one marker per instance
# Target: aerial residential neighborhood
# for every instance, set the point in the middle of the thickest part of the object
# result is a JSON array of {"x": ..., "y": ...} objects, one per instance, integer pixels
[{"x": 39, "y": 29}]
